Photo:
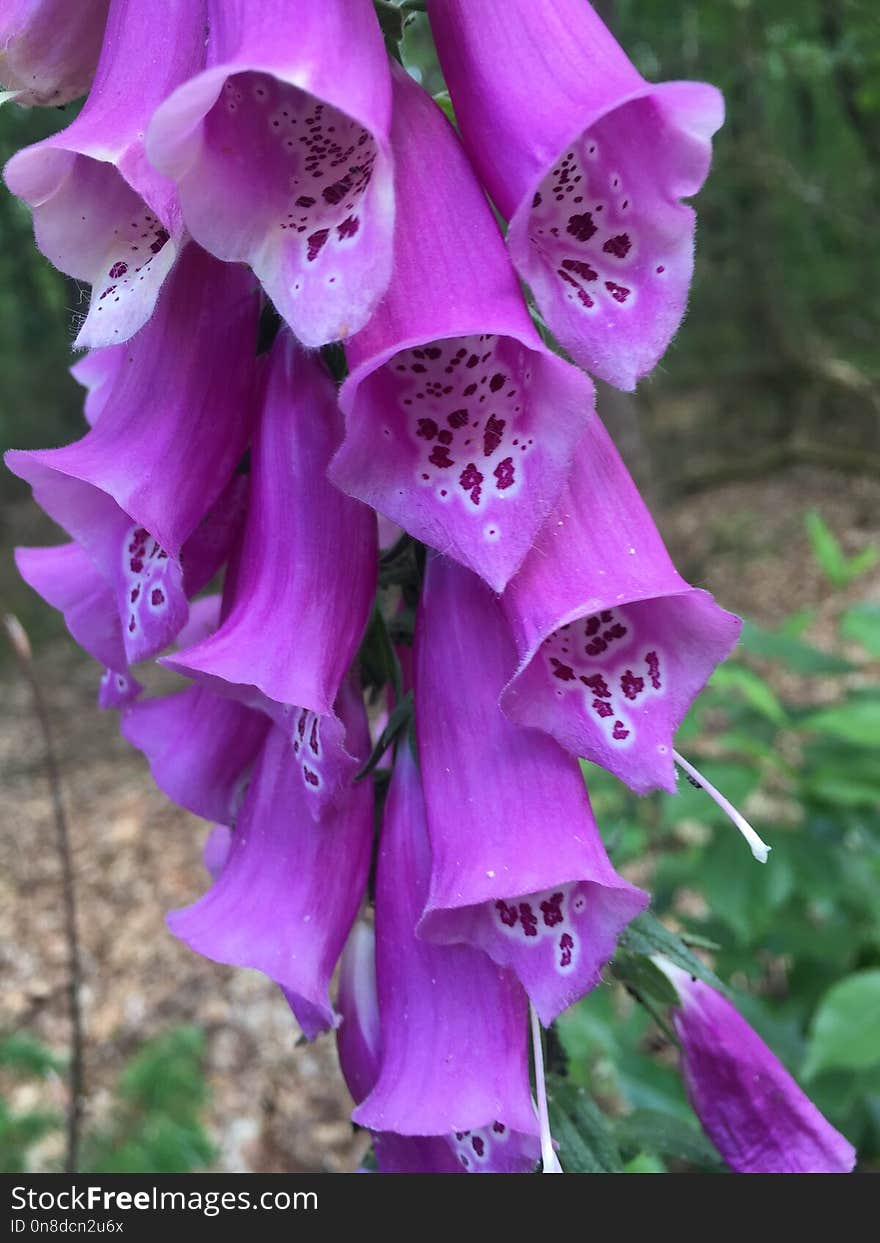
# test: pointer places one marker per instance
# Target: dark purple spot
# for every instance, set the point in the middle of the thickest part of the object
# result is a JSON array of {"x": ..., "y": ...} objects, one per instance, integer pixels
[
  {"x": 620, "y": 731},
  {"x": 316, "y": 241},
  {"x": 504, "y": 474},
  {"x": 426, "y": 429},
  {"x": 631, "y": 685},
  {"x": 618, "y": 292},
  {"x": 439, "y": 456},
  {"x": 492, "y": 434},
  {"x": 565, "y": 673},
  {"x": 581, "y": 226},
  {"x": 529, "y": 919},
  {"x": 619, "y": 246},
  {"x": 458, "y": 418},
  {"x": 552, "y": 910},
  {"x": 507, "y": 914},
  {"x": 349, "y": 227}
]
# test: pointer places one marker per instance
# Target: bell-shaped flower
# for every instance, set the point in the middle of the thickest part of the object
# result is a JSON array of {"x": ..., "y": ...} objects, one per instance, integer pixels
[
  {"x": 588, "y": 163},
  {"x": 454, "y": 1053},
  {"x": 117, "y": 690},
  {"x": 174, "y": 425},
  {"x": 749, "y": 1105},
  {"x": 96, "y": 371},
  {"x": 460, "y": 424},
  {"x": 102, "y": 213},
  {"x": 492, "y": 1149},
  {"x": 304, "y": 583},
  {"x": 49, "y": 49},
  {"x": 519, "y": 868},
  {"x": 289, "y": 892},
  {"x": 200, "y": 748},
  {"x": 281, "y": 156},
  {"x": 613, "y": 644}
]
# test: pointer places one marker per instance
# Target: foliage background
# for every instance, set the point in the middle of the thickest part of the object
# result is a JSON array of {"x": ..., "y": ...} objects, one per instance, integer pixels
[{"x": 758, "y": 443}]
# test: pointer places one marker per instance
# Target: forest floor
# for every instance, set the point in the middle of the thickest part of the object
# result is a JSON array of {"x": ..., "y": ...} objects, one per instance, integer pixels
[{"x": 275, "y": 1106}]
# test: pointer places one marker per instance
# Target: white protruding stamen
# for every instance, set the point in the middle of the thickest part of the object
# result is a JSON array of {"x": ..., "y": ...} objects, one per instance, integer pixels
[
  {"x": 759, "y": 849},
  {"x": 549, "y": 1159}
]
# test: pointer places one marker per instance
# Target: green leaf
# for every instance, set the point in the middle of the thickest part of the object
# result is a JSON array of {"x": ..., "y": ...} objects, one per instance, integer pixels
[
  {"x": 664, "y": 1135},
  {"x": 646, "y": 935},
  {"x": 25, "y": 1055},
  {"x": 753, "y": 689},
  {"x": 856, "y": 720},
  {"x": 846, "y": 1029},
  {"x": 397, "y": 722},
  {"x": 586, "y": 1142},
  {"x": 794, "y": 654},
  {"x": 837, "y": 567},
  {"x": 645, "y": 978},
  {"x": 861, "y": 624},
  {"x": 444, "y": 100}
]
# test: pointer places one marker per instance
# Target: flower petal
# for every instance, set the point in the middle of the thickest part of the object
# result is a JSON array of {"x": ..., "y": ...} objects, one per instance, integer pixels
[
  {"x": 614, "y": 645},
  {"x": 200, "y": 748},
  {"x": 519, "y": 868},
  {"x": 289, "y": 892},
  {"x": 454, "y": 1054},
  {"x": 460, "y": 424},
  {"x": 280, "y": 152},
  {"x": 49, "y": 49},
  {"x": 101, "y": 213},
  {"x": 749, "y": 1105},
  {"x": 588, "y": 162},
  {"x": 304, "y": 586}
]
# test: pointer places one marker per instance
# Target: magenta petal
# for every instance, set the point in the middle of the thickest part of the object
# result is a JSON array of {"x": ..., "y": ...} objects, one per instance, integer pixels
[
  {"x": 290, "y": 890},
  {"x": 67, "y": 580},
  {"x": 101, "y": 213},
  {"x": 751, "y": 1108},
  {"x": 49, "y": 49},
  {"x": 281, "y": 155},
  {"x": 304, "y": 586},
  {"x": 613, "y": 644},
  {"x": 460, "y": 425},
  {"x": 174, "y": 425},
  {"x": 454, "y": 1053},
  {"x": 588, "y": 162},
  {"x": 519, "y": 867},
  {"x": 117, "y": 690},
  {"x": 358, "y": 1039},
  {"x": 96, "y": 372},
  {"x": 200, "y": 748}
]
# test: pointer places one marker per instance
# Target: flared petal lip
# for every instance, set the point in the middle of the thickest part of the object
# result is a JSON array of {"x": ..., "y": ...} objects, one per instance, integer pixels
[
  {"x": 519, "y": 217},
  {"x": 524, "y": 333},
  {"x": 487, "y": 889},
  {"x": 189, "y": 104},
  {"x": 595, "y": 605},
  {"x": 36, "y": 186}
]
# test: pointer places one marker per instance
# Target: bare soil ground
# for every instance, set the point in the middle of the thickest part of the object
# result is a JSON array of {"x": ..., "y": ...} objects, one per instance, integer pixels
[{"x": 275, "y": 1106}]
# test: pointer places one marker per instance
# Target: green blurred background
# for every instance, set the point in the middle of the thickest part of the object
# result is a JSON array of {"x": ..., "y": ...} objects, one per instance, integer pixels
[{"x": 757, "y": 442}]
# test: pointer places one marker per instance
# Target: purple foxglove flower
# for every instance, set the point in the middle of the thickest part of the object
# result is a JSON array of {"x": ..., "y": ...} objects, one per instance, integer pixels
[
  {"x": 289, "y": 892},
  {"x": 101, "y": 213},
  {"x": 588, "y": 162},
  {"x": 749, "y": 1105},
  {"x": 117, "y": 690},
  {"x": 49, "y": 49},
  {"x": 172, "y": 430},
  {"x": 304, "y": 585},
  {"x": 454, "y": 1051},
  {"x": 281, "y": 155},
  {"x": 460, "y": 425},
  {"x": 519, "y": 868},
  {"x": 613, "y": 644},
  {"x": 200, "y": 748},
  {"x": 492, "y": 1149}
]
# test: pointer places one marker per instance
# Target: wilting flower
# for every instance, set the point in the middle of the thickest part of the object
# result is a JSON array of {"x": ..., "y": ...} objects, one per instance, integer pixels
[
  {"x": 289, "y": 892},
  {"x": 280, "y": 151},
  {"x": 453, "y": 1024},
  {"x": 102, "y": 214},
  {"x": 174, "y": 425},
  {"x": 49, "y": 49},
  {"x": 750, "y": 1106},
  {"x": 518, "y": 866},
  {"x": 613, "y": 644},
  {"x": 460, "y": 424},
  {"x": 587, "y": 161}
]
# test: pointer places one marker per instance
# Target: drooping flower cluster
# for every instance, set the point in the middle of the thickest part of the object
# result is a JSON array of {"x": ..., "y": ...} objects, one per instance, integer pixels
[{"x": 541, "y": 620}]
